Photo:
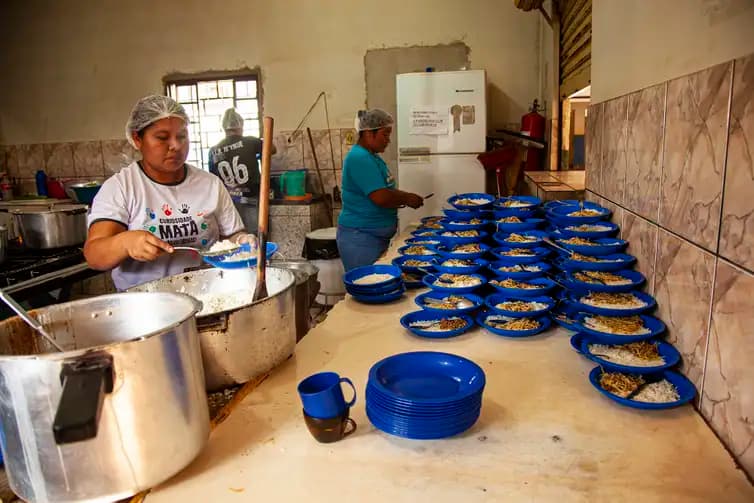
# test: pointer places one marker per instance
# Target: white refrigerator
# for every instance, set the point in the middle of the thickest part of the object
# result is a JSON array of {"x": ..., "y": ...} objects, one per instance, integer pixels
[{"x": 442, "y": 127}]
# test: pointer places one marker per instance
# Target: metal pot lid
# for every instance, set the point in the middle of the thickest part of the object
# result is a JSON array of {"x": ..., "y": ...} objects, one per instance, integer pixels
[{"x": 57, "y": 208}]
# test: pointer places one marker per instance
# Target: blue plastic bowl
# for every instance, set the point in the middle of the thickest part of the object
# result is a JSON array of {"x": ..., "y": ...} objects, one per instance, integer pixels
[
  {"x": 419, "y": 300},
  {"x": 85, "y": 194},
  {"x": 540, "y": 254},
  {"x": 447, "y": 252},
  {"x": 470, "y": 269},
  {"x": 575, "y": 299},
  {"x": 623, "y": 262},
  {"x": 522, "y": 213},
  {"x": 431, "y": 218},
  {"x": 497, "y": 298},
  {"x": 424, "y": 315},
  {"x": 569, "y": 231},
  {"x": 569, "y": 202},
  {"x": 227, "y": 262},
  {"x": 423, "y": 232},
  {"x": 429, "y": 281},
  {"x": 354, "y": 274},
  {"x": 686, "y": 390},
  {"x": 382, "y": 298},
  {"x": 462, "y": 214},
  {"x": 471, "y": 195},
  {"x": 531, "y": 202},
  {"x": 527, "y": 224},
  {"x": 560, "y": 215},
  {"x": 367, "y": 290},
  {"x": 603, "y": 246},
  {"x": 544, "y": 324},
  {"x": 502, "y": 239},
  {"x": 403, "y": 249},
  {"x": 523, "y": 274},
  {"x": 545, "y": 285},
  {"x": 655, "y": 326},
  {"x": 450, "y": 224},
  {"x": 637, "y": 279},
  {"x": 459, "y": 240},
  {"x": 667, "y": 352},
  {"x": 576, "y": 340},
  {"x": 424, "y": 240},
  {"x": 400, "y": 261}
]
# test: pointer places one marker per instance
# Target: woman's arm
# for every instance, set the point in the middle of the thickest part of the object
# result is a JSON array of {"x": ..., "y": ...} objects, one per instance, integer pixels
[
  {"x": 109, "y": 243},
  {"x": 394, "y": 198}
]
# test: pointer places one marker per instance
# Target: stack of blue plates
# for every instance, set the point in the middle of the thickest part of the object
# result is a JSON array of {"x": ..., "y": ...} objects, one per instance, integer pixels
[
  {"x": 424, "y": 395},
  {"x": 375, "y": 284}
]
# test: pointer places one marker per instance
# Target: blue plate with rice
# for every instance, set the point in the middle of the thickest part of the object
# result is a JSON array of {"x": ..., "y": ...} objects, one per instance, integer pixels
[
  {"x": 471, "y": 201},
  {"x": 579, "y": 299},
  {"x": 541, "y": 287},
  {"x": 683, "y": 387},
  {"x": 517, "y": 255},
  {"x": 475, "y": 301},
  {"x": 435, "y": 332},
  {"x": 526, "y": 224},
  {"x": 460, "y": 266},
  {"x": 431, "y": 281},
  {"x": 484, "y": 319},
  {"x": 601, "y": 246},
  {"x": 667, "y": 353},
  {"x": 650, "y": 327},
  {"x": 533, "y": 239},
  {"x": 598, "y": 282},
  {"x": 539, "y": 305},
  {"x": 452, "y": 252},
  {"x": 590, "y": 231},
  {"x": 608, "y": 263},
  {"x": 519, "y": 271}
]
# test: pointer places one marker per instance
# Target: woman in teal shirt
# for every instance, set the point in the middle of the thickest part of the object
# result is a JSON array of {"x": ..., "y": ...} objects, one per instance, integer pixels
[{"x": 369, "y": 218}]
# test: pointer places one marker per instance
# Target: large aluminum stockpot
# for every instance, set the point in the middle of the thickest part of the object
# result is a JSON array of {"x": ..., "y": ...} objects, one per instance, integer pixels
[
  {"x": 53, "y": 226},
  {"x": 240, "y": 339},
  {"x": 121, "y": 410}
]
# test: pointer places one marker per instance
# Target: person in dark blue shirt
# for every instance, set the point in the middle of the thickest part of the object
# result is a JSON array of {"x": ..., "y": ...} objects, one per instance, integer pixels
[{"x": 369, "y": 218}]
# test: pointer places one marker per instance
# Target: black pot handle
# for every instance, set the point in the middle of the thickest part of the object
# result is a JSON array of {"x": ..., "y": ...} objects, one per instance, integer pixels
[{"x": 85, "y": 382}]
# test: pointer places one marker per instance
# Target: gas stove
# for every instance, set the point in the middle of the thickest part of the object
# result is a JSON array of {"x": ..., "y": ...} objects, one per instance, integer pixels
[{"x": 22, "y": 264}]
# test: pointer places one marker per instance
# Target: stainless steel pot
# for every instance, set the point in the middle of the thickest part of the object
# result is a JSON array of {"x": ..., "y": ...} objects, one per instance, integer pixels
[
  {"x": 307, "y": 288},
  {"x": 52, "y": 226},
  {"x": 120, "y": 411},
  {"x": 3, "y": 242},
  {"x": 240, "y": 339}
]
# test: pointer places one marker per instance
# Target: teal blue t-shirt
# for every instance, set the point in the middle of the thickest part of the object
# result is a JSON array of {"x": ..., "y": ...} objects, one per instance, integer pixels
[{"x": 363, "y": 173}]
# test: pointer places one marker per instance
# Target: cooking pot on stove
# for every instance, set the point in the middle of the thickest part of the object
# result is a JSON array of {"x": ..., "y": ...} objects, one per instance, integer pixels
[
  {"x": 53, "y": 226},
  {"x": 240, "y": 339},
  {"x": 122, "y": 409}
]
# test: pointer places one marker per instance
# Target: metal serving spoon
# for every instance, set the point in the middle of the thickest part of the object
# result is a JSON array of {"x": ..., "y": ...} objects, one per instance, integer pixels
[
  {"x": 204, "y": 252},
  {"x": 33, "y": 323}
]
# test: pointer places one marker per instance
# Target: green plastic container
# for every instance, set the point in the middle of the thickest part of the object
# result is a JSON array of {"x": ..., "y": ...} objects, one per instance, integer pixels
[{"x": 293, "y": 183}]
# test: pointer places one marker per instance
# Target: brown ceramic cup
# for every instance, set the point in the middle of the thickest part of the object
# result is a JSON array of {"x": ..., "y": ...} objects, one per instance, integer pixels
[{"x": 331, "y": 429}]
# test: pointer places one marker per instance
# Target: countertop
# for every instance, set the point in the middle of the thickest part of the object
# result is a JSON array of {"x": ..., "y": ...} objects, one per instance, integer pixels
[{"x": 544, "y": 433}]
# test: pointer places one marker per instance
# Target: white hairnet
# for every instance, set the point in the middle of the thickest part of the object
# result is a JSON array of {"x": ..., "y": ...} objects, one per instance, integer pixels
[
  {"x": 368, "y": 120},
  {"x": 149, "y": 110},
  {"x": 232, "y": 119}
]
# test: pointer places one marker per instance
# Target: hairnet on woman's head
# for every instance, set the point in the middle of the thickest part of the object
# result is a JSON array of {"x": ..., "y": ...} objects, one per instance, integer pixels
[
  {"x": 375, "y": 118},
  {"x": 149, "y": 110},
  {"x": 232, "y": 119}
]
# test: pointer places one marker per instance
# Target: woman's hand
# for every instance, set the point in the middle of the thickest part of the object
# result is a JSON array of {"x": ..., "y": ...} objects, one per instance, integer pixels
[
  {"x": 144, "y": 246},
  {"x": 414, "y": 201}
]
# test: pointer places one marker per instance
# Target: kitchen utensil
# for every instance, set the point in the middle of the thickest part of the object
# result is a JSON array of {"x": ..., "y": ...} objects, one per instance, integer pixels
[
  {"x": 122, "y": 410},
  {"x": 51, "y": 226},
  {"x": 205, "y": 252},
  {"x": 260, "y": 291},
  {"x": 319, "y": 175},
  {"x": 331, "y": 429},
  {"x": 3, "y": 242},
  {"x": 322, "y": 395},
  {"x": 557, "y": 246},
  {"x": 21, "y": 312},
  {"x": 240, "y": 339}
]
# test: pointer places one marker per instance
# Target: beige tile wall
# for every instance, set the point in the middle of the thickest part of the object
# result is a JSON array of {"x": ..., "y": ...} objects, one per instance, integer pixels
[{"x": 675, "y": 164}]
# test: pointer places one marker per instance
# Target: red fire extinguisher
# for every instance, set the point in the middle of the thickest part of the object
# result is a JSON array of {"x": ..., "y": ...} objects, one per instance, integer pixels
[{"x": 533, "y": 124}]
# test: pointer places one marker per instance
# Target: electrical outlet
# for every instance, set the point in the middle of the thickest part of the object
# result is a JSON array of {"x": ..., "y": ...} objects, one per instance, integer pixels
[{"x": 350, "y": 138}]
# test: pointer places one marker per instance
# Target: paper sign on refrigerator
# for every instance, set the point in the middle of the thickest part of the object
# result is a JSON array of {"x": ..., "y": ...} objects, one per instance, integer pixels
[{"x": 428, "y": 120}]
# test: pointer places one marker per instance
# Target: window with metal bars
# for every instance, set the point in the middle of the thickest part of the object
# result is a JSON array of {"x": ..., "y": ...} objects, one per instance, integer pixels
[{"x": 206, "y": 100}]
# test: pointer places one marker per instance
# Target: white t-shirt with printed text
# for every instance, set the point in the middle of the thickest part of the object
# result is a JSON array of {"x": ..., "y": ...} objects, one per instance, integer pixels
[{"x": 195, "y": 212}]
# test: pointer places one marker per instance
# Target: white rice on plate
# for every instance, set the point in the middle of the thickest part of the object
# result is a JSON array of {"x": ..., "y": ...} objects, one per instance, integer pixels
[{"x": 371, "y": 279}]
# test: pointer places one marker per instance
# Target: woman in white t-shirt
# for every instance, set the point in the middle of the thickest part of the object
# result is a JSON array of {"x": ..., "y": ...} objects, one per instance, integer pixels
[{"x": 159, "y": 202}]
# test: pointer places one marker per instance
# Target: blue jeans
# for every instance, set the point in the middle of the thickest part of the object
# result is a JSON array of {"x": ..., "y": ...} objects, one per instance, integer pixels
[{"x": 359, "y": 247}]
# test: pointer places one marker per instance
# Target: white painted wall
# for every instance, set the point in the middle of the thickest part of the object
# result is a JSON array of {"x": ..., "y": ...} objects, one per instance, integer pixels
[
  {"x": 639, "y": 43},
  {"x": 72, "y": 69}
]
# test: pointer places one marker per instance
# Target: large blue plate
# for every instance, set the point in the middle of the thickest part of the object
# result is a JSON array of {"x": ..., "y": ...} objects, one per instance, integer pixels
[
  {"x": 685, "y": 388},
  {"x": 424, "y": 240},
  {"x": 353, "y": 275},
  {"x": 603, "y": 246},
  {"x": 610, "y": 231},
  {"x": 416, "y": 434},
  {"x": 419, "y": 300},
  {"x": 380, "y": 299},
  {"x": 447, "y": 252},
  {"x": 575, "y": 299},
  {"x": 527, "y": 224},
  {"x": 539, "y": 255},
  {"x": 400, "y": 262},
  {"x": 545, "y": 285},
  {"x": 422, "y": 315},
  {"x": 462, "y": 214},
  {"x": 522, "y": 274},
  {"x": 502, "y": 239},
  {"x": 427, "y": 377},
  {"x": 461, "y": 240},
  {"x": 544, "y": 324},
  {"x": 397, "y": 406},
  {"x": 568, "y": 310},
  {"x": 377, "y": 290},
  {"x": 636, "y": 278},
  {"x": 497, "y": 298},
  {"x": 471, "y": 195},
  {"x": 530, "y": 202},
  {"x": 623, "y": 262},
  {"x": 429, "y": 281},
  {"x": 403, "y": 250},
  {"x": 667, "y": 352},
  {"x": 576, "y": 340},
  {"x": 424, "y": 232},
  {"x": 423, "y": 423},
  {"x": 451, "y": 224},
  {"x": 560, "y": 215},
  {"x": 569, "y": 202},
  {"x": 469, "y": 269},
  {"x": 227, "y": 262},
  {"x": 655, "y": 326},
  {"x": 523, "y": 213}
]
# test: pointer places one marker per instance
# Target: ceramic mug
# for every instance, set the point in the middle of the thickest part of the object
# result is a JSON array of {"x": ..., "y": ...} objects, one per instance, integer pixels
[
  {"x": 332, "y": 429},
  {"x": 322, "y": 395}
]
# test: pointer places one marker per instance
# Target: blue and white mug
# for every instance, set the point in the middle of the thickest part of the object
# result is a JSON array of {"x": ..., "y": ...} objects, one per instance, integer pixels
[{"x": 322, "y": 396}]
